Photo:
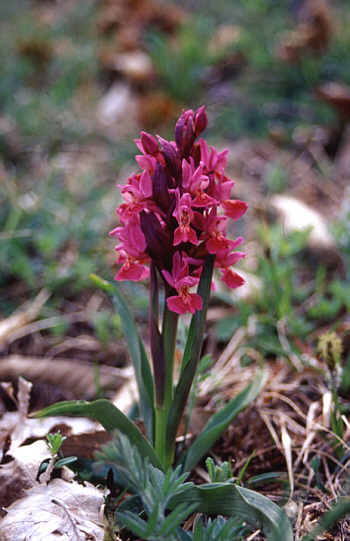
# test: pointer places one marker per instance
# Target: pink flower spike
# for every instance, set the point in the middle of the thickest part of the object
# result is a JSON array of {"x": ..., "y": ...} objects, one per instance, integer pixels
[
  {"x": 234, "y": 208},
  {"x": 169, "y": 278}
]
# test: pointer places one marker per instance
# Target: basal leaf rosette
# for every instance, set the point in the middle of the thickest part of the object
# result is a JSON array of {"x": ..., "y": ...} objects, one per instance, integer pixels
[{"x": 175, "y": 213}]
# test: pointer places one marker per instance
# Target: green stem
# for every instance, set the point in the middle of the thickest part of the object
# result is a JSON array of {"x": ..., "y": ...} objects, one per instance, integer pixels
[
  {"x": 169, "y": 333},
  {"x": 160, "y": 421}
]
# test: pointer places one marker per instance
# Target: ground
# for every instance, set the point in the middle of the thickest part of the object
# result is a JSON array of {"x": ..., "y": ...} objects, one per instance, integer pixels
[{"x": 82, "y": 79}]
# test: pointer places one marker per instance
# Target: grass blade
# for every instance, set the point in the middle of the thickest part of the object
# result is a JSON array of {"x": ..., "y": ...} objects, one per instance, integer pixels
[{"x": 137, "y": 352}]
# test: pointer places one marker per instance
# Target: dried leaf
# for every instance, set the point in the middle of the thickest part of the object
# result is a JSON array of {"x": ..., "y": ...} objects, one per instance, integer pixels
[
  {"x": 312, "y": 34},
  {"x": 134, "y": 66},
  {"x": 287, "y": 450},
  {"x": 294, "y": 215},
  {"x": 19, "y": 474},
  {"x": 85, "y": 445},
  {"x": 337, "y": 95},
  {"x": 23, "y": 396},
  {"x": 21, "y": 317},
  {"x": 59, "y": 510},
  {"x": 118, "y": 104},
  {"x": 77, "y": 376},
  {"x": 16, "y": 433}
]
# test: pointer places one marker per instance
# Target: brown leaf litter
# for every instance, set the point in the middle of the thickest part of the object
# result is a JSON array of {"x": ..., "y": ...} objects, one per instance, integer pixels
[{"x": 287, "y": 430}]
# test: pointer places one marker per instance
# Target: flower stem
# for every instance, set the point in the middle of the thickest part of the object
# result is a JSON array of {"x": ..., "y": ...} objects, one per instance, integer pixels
[
  {"x": 160, "y": 426},
  {"x": 169, "y": 333}
]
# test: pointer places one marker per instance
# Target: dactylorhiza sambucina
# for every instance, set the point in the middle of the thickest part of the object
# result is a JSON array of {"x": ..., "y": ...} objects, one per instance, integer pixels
[
  {"x": 173, "y": 224},
  {"x": 175, "y": 213}
]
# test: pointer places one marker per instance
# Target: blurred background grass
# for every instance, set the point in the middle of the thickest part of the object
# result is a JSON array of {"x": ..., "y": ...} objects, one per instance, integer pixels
[{"x": 80, "y": 79}]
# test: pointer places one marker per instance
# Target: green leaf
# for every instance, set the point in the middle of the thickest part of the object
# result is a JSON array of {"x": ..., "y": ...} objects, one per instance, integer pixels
[
  {"x": 191, "y": 354},
  {"x": 137, "y": 352},
  {"x": 219, "y": 422},
  {"x": 233, "y": 501},
  {"x": 110, "y": 417},
  {"x": 174, "y": 519},
  {"x": 134, "y": 523},
  {"x": 65, "y": 461}
]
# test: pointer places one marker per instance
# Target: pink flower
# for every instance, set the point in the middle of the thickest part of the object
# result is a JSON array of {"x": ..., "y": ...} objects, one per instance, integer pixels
[
  {"x": 135, "y": 193},
  {"x": 228, "y": 259},
  {"x": 132, "y": 270},
  {"x": 148, "y": 163},
  {"x": 195, "y": 182},
  {"x": 184, "y": 215},
  {"x": 150, "y": 152},
  {"x": 216, "y": 230},
  {"x": 182, "y": 281},
  {"x": 234, "y": 208},
  {"x": 221, "y": 189},
  {"x": 185, "y": 302},
  {"x": 212, "y": 160},
  {"x": 232, "y": 279},
  {"x": 225, "y": 261},
  {"x": 131, "y": 252}
]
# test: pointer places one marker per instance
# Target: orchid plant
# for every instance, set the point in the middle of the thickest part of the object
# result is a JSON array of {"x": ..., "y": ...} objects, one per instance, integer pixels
[
  {"x": 173, "y": 222},
  {"x": 173, "y": 231}
]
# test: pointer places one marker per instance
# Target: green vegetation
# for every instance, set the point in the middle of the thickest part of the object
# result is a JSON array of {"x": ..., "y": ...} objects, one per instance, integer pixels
[{"x": 59, "y": 166}]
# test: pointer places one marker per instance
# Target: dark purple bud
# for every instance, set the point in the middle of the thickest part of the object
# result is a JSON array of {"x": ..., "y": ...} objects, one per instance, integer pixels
[
  {"x": 196, "y": 154},
  {"x": 188, "y": 140},
  {"x": 149, "y": 144},
  {"x": 200, "y": 120},
  {"x": 180, "y": 127},
  {"x": 160, "y": 187},
  {"x": 172, "y": 159},
  {"x": 158, "y": 244}
]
